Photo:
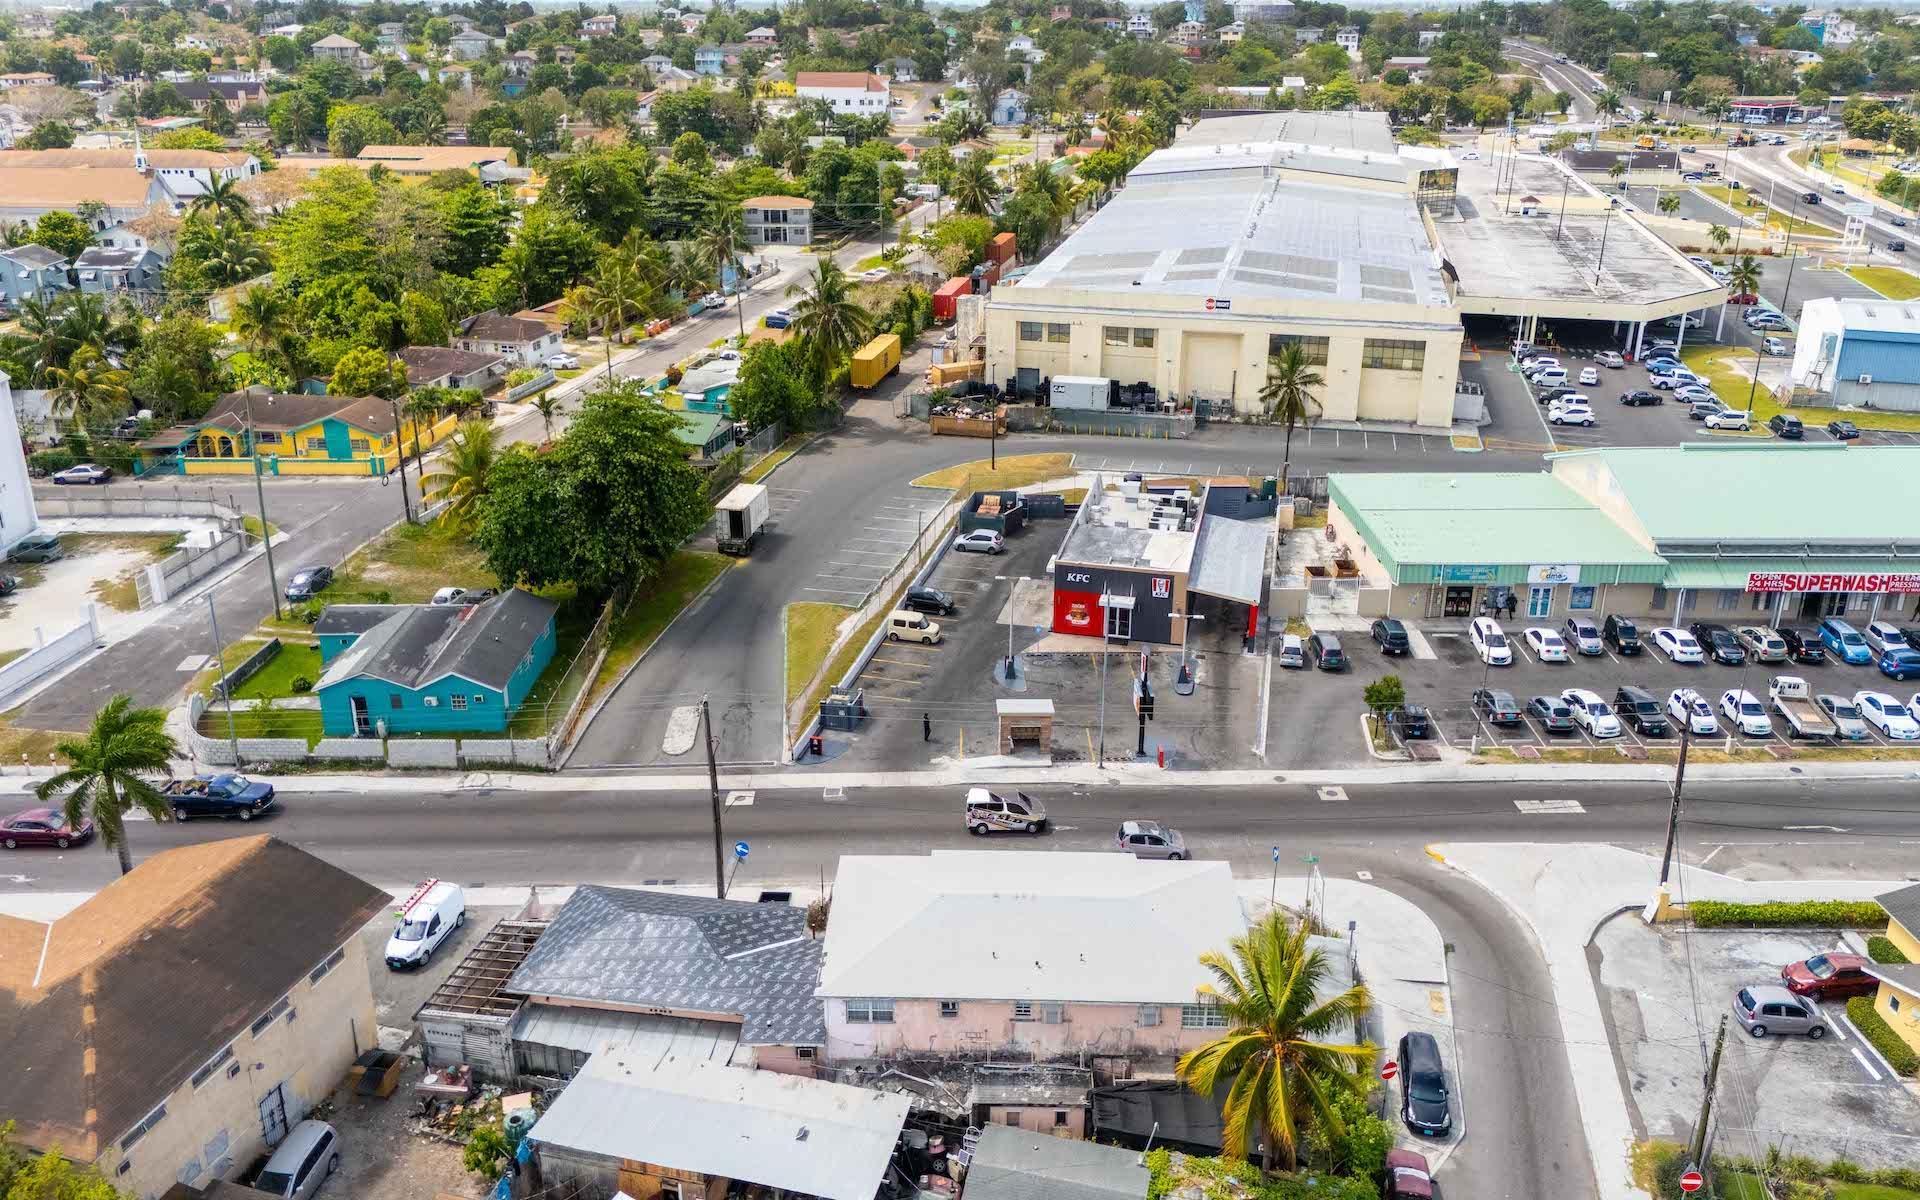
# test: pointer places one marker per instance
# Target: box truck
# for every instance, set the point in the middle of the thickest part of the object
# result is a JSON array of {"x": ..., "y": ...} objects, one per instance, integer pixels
[
  {"x": 743, "y": 514},
  {"x": 874, "y": 361}
]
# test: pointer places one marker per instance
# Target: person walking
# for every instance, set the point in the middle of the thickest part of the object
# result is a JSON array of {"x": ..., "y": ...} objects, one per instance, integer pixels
[
  {"x": 926, "y": 727},
  {"x": 1513, "y": 604}
]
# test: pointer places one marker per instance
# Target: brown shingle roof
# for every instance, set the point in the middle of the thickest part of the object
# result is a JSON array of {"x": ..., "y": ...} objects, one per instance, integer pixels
[
  {"x": 64, "y": 187},
  {"x": 777, "y": 202},
  {"x": 493, "y": 327},
  {"x": 432, "y": 362},
  {"x": 841, "y": 79},
  {"x": 201, "y": 159},
  {"x": 106, "y": 1010},
  {"x": 280, "y": 411}
]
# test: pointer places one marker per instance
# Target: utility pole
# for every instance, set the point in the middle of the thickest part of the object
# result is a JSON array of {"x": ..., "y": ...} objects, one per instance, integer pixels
[
  {"x": 400, "y": 448},
  {"x": 226, "y": 693},
  {"x": 1105, "y": 653},
  {"x": 1698, "y": 1148},
  {"x": 713, "y": 785},
  {"x": 1673, "y": 814},
  {"x": 266, "y": 539}
]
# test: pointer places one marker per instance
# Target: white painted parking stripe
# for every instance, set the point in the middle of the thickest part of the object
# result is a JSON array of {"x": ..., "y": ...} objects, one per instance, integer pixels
[
  {"x": 1864, "y": 1064},
  {"x": 834, "y": 591},
  {"x": 1550, "y": 807}
]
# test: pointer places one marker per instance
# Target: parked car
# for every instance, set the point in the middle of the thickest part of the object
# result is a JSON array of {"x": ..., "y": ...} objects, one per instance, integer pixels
[
  {"x": 1844, "y": 714},
  {"x": 1788, "y": 426},
  {"x": 1690, "y": 710},
  {"x": 1408, "y": 1176},
  {"x": 713, "y": 300},
  {"x": 1572, "y": 414},
  {"x": 1293, "y": 652},
  {"x": 448, "y": 595},
  {"x": 1610, "y": 358},
  {"x": 1589, "y": 377},
  {"x": 1719, "y": 643},
  {"x": 42, "y": 827},
  {"x": 84, "y": 473},
  {"x": 1592, "y": 713},
  {"x": 1842, "y": 431},
  {"x": 1621, "y": 634},
  {"x": 980, "y": 541},
  {"x": 1744, "y": 712},
  {"x": 1551, "y": 395},
  {"x": 36, "y": 548},
  {"x": 302, "y": 1163},
  {"x": 1728, "y": 418},
  {"x": 1763, "y": 645},
  {"x": 1803, "y": 645},
  {"x": 1775, "y": 347},
  {"x": 1762, "y": 1009},
  {"x": 904, "y": 626},
  {"x": 560, "y": 362},
  {"x": 218, "y": 796},
  {"x": 779, "y": 318},
  {"x": 1700, "y": 410},
  {"x": 1900, "y": 663},
  {"x": 1883, "y": 636},
  {"x": 1411, "y": 721},
  {"x": 1641, "y": 397},
  {"x": 1834, "y": 976},
  {"x": 1496, "y": 706},
  {"x": 1150, "y": 839},
  {"x": 1490, "y": 642},
  {"x": 1844, "y": 642},
  {"x": 1639, "y": 709},
  {"x": 1391, "y": 636},
  {"x": 1545, "y": 644},
  {"x": 307, "y": 582},
  {"x": 1888, "y": 715},
  {"x": 1323, "y": 650},
  {"x": 922, "y": 599},
  {"x": 1583, "y": 635},
  {"x": 1693, "y": 393},
  {"x": 1423, "y": 1086},
  {"x": 1552, "y": 713},
  {"x": 1678, "y": 645},
  {"x": 987, "y": 811}
]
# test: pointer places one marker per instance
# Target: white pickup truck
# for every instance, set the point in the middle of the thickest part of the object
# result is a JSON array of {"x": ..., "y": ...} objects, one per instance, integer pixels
[{"x": 1795, "y": 703}]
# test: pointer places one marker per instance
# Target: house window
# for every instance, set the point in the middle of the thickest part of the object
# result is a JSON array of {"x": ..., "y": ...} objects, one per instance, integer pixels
[
  {"x": 1315, "y": 348},
  {"x": 394, "y": 702},
  {"x": 1393, "y": 354},
  {"x": 213, "y": 1064},
  {"x": 139, "y": 1131},
  {"x": 459, "y": 702},
  {"x": 1023, "y": 1010},
  {"x": 1580, "y": 598},
  {"x": 1059, "y": 1118},
  {"x": 1013, "y": 1117},
  {"x": 1059, "y": 334},
  {"x": 1202, "y": 1016},
  {"x": 869, "y": 1012},
  {"x": 317, "y": 443},
  {"x": 670, "y": 1190},
  {"x": 1148, "y": 1016},
  {"x": 1143, "y": 339},
  {"x": 1893, "y": 1002},
  {"x": 1052, "y": 1013},
  {"x": 1029, "y": 331},
  {"x": 805, "y": 1053},
  {"x": 333, "y": 960},
  {"x": 359, "y": 445},
  {"x": 1116, "y": 335},
  {"x": 267, "y": 1018},
  {"x": 1727, "y": 600},
  {"x": 950, "y": 1008},
  {"x": 267, "y": 439}
]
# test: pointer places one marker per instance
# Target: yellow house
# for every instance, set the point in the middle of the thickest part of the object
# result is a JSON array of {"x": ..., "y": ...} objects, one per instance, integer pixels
[
  {"x": 190, "y": 1013},
  {"x": 1898, "y": 1000},
  {"x": 295, "y": 434}
]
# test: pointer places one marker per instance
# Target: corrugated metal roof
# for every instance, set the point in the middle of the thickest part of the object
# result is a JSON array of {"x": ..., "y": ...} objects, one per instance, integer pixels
[
  {"x": 642, "y": 1035},
  {"x": 781, "y": 1131},
  {"x": 1015, "y": 1164}
]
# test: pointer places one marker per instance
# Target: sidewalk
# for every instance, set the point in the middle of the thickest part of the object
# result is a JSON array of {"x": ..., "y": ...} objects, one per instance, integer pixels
[{"x": 1563, "y": 893}]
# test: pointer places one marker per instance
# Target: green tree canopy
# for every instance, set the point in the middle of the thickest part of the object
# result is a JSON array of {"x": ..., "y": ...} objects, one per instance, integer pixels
[
  {"x": 367, "y": 372},
  {"x": 62, "y": 232}
]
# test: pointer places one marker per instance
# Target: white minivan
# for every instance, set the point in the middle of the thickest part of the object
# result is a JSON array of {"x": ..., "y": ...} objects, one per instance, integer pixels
[
  {"x": 426, "y": 919},
  {"x": 1490, "y": 642},
  {"x": 1552, "y": 377}
]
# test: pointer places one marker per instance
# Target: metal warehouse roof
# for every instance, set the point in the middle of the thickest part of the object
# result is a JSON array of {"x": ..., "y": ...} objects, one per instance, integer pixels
[
  {"x": 645, "y": 1035},
  {"x": 1412, "y": 520},
  {"x": 1014, "y": 1164},
  {"x": 1873, "y": 315}
]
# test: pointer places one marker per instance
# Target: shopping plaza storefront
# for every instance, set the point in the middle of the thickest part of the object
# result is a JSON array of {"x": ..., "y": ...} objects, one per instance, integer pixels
[{"x": 1750, "y": 532}]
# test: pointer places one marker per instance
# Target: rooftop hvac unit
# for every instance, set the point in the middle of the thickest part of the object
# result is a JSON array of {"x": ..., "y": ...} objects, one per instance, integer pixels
[{"x": 1866, "y": 379}]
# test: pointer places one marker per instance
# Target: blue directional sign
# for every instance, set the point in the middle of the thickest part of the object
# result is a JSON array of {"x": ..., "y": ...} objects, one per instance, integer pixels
[
  {"x": 1276, "y": 854},
  {"x": 740, "y": 851}
]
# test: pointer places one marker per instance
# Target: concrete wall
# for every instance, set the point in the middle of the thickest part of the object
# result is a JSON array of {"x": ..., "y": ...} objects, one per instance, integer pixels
[
  {"x": 1045, "y": 1119},
  {"x": 786, "y": 1060},
  {"x": 987, "y": 1026},
  {"x": 17, "y": 515},
  {"x": 49, "y": 656},
  {"x": 436, "y": 752}
]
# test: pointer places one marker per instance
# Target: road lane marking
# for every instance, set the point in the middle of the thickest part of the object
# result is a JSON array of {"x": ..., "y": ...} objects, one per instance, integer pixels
[{"x": 1549, "y": 807}]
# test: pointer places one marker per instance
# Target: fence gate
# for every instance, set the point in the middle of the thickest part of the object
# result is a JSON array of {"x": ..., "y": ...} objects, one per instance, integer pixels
[{"x": 1202, "y": 412}]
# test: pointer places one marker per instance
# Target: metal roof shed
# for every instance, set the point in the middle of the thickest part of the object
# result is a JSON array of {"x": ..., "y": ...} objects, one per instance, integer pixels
[{"x": 1016, "y": 1164}]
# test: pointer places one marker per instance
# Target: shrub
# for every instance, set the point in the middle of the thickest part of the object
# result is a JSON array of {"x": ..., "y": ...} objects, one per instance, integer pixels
[
  {"x": 1786, "y": 914},
  {"x": 1846, "y": 1171},
  {"x": 1880, "y": 948},
  {"x": 1385, "y": 694},
  {"x": 302, "y": 685},
  {"x": 1875, "y": 1029},
  {"x": 521, "y": 375},
  {"x": 486, "y": 1152},
  {"x": 52, "y": 460}
]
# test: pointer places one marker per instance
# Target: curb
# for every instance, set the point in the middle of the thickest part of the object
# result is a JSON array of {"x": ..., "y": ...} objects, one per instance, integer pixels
[{"x": 1892, "y": 1075}]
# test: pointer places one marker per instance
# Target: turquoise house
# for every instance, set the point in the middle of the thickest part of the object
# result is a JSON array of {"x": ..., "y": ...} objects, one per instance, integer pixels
[{"x": 421, "y": 668}]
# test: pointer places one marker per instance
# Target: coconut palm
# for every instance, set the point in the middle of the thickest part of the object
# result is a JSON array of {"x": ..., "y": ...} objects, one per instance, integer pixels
[
  {"x": 616, "y": 296},
  {"x": 89, "y": 391},
  {"x": 230, "y": 256},
  {"x": 975, "y": 189},
  {"x": 222, "y": 201},
  {"x": 461, "y": 476},
  {"x": 105, "y": 778},
  {"x": 1608, "y": 102},
  {"x": 685, "y": 273},
  {"x": 1669, "y": 203},
  {"x": 721, "y": 244},
  {"x": 1276, "y": 1059},
  {"x": 261, "y": 318},
  {"x": 1743, "y": 277},
  {"x": 1718, "y": 235},
  {"x": 1288, "y": 396},
  {"x": 40, "y": 324},
  {"x": 829, "y": 318},
  {"x": 547, "y": 405}
]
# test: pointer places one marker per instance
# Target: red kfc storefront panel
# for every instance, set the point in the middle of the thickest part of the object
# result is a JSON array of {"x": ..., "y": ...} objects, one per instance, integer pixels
[{"x": 1077, "y": 612}]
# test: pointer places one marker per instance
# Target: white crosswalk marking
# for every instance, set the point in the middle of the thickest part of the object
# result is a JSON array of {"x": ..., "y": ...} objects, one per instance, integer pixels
[{"x": 1549, "y": 807}]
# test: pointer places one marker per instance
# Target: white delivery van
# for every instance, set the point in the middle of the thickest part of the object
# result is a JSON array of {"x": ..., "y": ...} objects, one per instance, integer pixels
[{"x": 426, "y": 919}]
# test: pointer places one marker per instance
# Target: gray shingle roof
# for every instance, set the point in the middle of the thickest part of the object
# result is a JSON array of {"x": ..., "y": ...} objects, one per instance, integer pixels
[
  {"x": 631, "y": 947},
  {"x": 1904, "y": 906},
  {"x": 355, "y": 618},
  {"x": 1905, "y": 976},
  {"x": 1015, "y": 1164},
  {"x": 34, "y": 256},
  {"x": 420, "y": 643}
]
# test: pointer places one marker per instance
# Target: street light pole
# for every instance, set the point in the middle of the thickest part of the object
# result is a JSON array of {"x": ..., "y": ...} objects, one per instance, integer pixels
[
  {"x": 226, "y": 693},
  {"x": 266, "y": 534},
  {"x": 1600, "y": 262}
]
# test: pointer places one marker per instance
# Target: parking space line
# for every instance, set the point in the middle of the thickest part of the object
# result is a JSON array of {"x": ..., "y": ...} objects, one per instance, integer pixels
[
  {"x": 835, "y": 591},
  {"x": 1864, "y": 1064}
]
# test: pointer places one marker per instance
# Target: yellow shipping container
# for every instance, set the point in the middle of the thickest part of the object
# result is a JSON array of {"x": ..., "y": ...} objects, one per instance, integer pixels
[{"x": 875, "y": 361}]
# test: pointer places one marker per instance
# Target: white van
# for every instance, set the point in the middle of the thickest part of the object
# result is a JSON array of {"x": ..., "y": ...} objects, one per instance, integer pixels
[
  {"x": 426, "y": 919},
  {"x": 904, "y": 626},
  {"x": 1490, "y": 642},
  {"x": 1550, "y": 378}
]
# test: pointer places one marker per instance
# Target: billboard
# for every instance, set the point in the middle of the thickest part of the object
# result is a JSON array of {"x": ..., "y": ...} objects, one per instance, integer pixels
[{"x": 1907, "y": 584}]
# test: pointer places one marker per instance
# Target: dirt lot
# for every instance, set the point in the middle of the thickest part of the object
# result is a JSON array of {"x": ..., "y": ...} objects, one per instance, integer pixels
[{"x": 383, "y": 1156}]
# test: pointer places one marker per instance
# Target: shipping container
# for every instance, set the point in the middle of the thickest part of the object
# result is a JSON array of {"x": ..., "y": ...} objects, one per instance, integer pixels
[
  {"x": 950, "y": 291},
  {"x": 1080, "y": 391},
  {"x": 1001, "y": 248},
  {"x": 985, "y": 276},
  {"x": 875, "y": 361}
]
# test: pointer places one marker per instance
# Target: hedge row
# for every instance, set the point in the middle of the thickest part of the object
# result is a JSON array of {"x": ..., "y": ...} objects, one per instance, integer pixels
[
  {"x": 1869, "y": 1022},
  {"x": 1880, "y": 948},
  {"x": 1787, "y": 914}
]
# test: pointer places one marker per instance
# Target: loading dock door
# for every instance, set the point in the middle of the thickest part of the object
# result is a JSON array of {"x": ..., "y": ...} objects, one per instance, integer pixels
[{"x": 1211, "y": 362}]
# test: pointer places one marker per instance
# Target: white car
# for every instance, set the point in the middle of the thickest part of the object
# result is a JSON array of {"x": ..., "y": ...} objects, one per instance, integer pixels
[
  {"x": 1691, "y": 392},
  {"x": 1470, "y": 155},
  {"x": 1589, "y": 377},
  {"x": 1744, "y": 712},
  {"x": 1610, "y": 358},
  {"x": 1729, "y": 418},
  {"x": 1545, "y": 644},
  {"x": 1688, "y": 707},
  {"x": 1490, "y": 642},
  {"x": 1774, "y": 347},
  {"x": 980, "y": 541},
  {"x": 1888, "y": 715},
  {"x": 1845, "y": 715},
  {"x": 560, "y": 362},
  {"x": 1537, "y": 362},
  {"x": 1883, "y": 636},
  {"x": 1592, "y": 713},
  {"x": 1678, "y": 645},
  {"x": 1572, "y": 414},
  {"x": 875, "y": 275}
]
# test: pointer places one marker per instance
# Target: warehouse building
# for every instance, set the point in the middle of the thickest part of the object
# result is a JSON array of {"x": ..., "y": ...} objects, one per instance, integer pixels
[
  {"x": 1735, "y": 532},
  {"x": 1858, "y": 353}
]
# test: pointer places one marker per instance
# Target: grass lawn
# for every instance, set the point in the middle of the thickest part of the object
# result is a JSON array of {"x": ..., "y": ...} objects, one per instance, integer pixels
[
  {"x": 781, "y": 453},
  {"x": 547, "y": 700},
  {"x": 276, "y": 678},
  {"x": 36, "y": 744},
  {"x": 1731, "y": 384},
  {"x": 406, "y": 565},
  {"x": 684, "y": 575},
  {"x": 1777, "y": 220},
  {"x": 1013, "y": 471},
  {"x": 1869, "y": 1191},
  {"x": 270, "y": 723},
  {"x": 842, "y": 660},
  {"x": 810, "y": 627},
  {"x": 1891, "y": 282},
  {"x": 868, "y": 263},
  {"x": 119, "y": 592}
]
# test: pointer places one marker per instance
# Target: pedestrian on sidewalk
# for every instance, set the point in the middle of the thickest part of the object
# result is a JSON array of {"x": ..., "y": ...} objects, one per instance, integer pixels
[{"x": 926, "y": 727}]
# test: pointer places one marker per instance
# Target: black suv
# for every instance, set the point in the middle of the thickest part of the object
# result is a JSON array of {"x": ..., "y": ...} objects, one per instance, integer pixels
[
  {"x": 1788, "y": 426},
  {"x": 1719, "y": 643},
  {"x": 1803, "y": 645},
  {"x": 1412, "y": 721},
  {"x": 1621, "y": 634},
  {"x": 1641, "y": 711},
  {"x": 1423, "y": 1086},
  {"x": 929, "y": 600},
  {"x": 1391, "y": 636},
  {"x": 1325, "y": 652},
  {"x": 1497, "y": 706}
]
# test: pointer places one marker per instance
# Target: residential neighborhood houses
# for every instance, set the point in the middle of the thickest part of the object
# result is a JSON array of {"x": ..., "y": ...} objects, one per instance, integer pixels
[{"x": 990, "y": 601}]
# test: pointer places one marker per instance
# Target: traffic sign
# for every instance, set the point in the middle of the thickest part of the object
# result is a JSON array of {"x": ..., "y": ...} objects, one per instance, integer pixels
[
  {"x": 1276, "y": 854},
  {"x": 1692, "y": 1181},
  {"x": 1389, "y": 1069},
  {"x": 740, "y": 851}
]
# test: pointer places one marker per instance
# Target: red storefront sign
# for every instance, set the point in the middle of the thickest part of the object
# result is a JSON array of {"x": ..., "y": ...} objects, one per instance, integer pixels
[
  {"x": 1078, "y": 612},
  {"x": 1790, "y": 581}
]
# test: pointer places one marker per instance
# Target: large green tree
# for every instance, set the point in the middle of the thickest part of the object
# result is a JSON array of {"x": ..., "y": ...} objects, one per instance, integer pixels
[
  {"x": 63, "y": 233},
  {"x": 776, "y": 384},
  {"x": 828, "y": 317},
  {"x": 364, "y": 371},
  {"x": 108, "y": 773}
]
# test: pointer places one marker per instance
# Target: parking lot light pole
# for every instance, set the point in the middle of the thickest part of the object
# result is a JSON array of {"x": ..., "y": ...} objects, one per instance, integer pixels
[
  {"x": 266, "y": 531},
  {"x": 1013, "y": 593}
]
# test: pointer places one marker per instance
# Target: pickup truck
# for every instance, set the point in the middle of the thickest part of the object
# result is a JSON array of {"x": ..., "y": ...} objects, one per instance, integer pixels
[
  {"x": 218, "y": 796},
  {"x": 1793, "y": 702}
]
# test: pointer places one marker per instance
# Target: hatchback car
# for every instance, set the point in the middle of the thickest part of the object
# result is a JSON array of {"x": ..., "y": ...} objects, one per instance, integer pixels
[
  {"x": 928, "y": 600},
  {"x": 1700, "y": 410},
  {"x": 1496, "y": 706},
  {"x": 1803, "y": 645},
  {"x": 980, "y": 541},
  {"x": 1583, "y": 635},
  {"x": 1842, "y": 431},
  {"x": 303, "y": 1161},
  {"x": 1150, "y": 839},
  {"x": 1785, "y": 425},
  {"x": 1640, "y": 710},
  {"x": 1844, "y": 714},
  {"x": 1719, "y": 643},
  {"x": 1293, "y": 652},
  {"x": 1423, "y": 1086},
  {"x": 1545, "y": 644},
  {"x": 1883, "y": 636},
  {"x": 308, "y": 582},
  {"x": 1678, "y": 645},
  {"x": 1408, "y": 1176},
  {"x": 1901, "y": 664},
  {"x": 84, "y": 473},
  {"x": 1762, "y": 1009},
  {"x": 1324, "y": 651},
  {"x": 1829, "y": 977},
  {"x": 1592, "y": 713},
  {"x": 1552, "y": 713},
  {"x": 1888, "y": 715},
  {"x": 1621, "y": 634},
  {"x": 1728, "y": 418},
  {"x": 1391, "y": 636},
  {"x": 1744, "y": 712},
  {"x": 1763, "y": 644},
  {"x": 1641, "y": 397},
  {"x": 1690, "y": 710},
  {"x": 42, "y": 827},
  {"x": 36, "y": 547},
  {"x": 1490, "y": 642}
]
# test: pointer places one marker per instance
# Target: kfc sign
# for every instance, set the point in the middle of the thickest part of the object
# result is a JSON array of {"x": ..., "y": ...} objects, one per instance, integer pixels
[
  {"x": 1162, "y": 588},
  {"x": 1078, "y": 577},
  {"x": 1078, "y": 612},
  {"x": 1790, "y": 581}
]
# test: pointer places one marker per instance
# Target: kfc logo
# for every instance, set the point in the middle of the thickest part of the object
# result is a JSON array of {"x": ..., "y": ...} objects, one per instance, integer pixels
[
  {"x": 1079, "y": 577},
  {"x": 1162, "y": 588}
]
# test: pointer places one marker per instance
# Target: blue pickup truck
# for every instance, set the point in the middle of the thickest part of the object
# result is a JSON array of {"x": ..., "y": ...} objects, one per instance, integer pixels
[{"x": 218, "y": 796}]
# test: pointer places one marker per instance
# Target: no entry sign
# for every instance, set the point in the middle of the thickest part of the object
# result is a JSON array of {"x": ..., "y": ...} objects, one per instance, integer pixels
[
  {"x": 1691, "y": 1181},
  {"x": 1389, "y": 1069}
]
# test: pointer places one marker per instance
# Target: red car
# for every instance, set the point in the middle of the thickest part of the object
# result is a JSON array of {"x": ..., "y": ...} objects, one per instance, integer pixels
[
  {"x": 1407, "y": 1176},
  {"x": 41, "y": 827},
  {"x": 1829, "y": 977},
  {"x": 1743, "y": 298}
]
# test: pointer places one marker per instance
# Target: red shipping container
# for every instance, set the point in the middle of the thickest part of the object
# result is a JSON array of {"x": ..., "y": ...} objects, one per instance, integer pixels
[
  {"x": 945, "y": 300},
  {"x": 1001, "y": 248}
]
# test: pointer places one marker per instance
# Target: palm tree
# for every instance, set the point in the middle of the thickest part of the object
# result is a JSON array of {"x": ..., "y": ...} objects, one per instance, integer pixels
[
  {"x": 1669, "y": 203},
  {"x": 974, "y": 187},
  {"x": 1288, "y": 396},
  {"x": 461, "y": 477},
  {"x": 1743, "y": 278},
  {"x": 1275, "y": 1060},
  {"x": 1607, "y": 102},
  {"x": 1718, "y": 235},
  {"x": 88, "y": 392},
  {"x": 828, "y": 317},
  {"x": 40, "y": 322},
  {"x": 230, "y": 256},
  {"x": 685, "y": 273},
  {"x": 616, "y": 296},
  {"x": 221, "y": 201},
  {"x": 721, "y": 244},
  {"x": 104, "y": 779},
  {"x": 547, "y": 404},
  {"x": 260, "y": 317}
]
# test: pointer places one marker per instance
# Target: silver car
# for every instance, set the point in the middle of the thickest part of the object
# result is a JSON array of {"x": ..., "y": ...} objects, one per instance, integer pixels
[
  {"x": 310, "y": 1153},
  {"x": 1764, "y": 1008},
  {"x": 1150, "y": 839}
]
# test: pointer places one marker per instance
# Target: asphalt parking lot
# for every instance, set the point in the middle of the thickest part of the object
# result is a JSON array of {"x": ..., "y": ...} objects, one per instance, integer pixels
[
  {"x": 867, "y": 553},
  {"x": 1660, "y": 993}
]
